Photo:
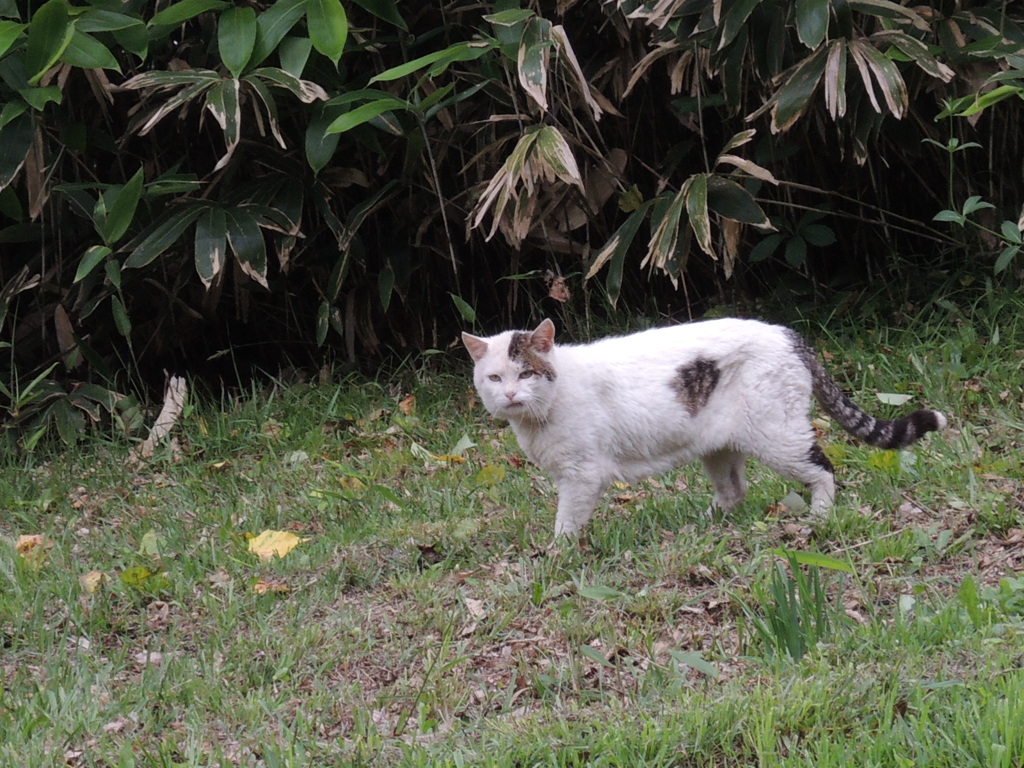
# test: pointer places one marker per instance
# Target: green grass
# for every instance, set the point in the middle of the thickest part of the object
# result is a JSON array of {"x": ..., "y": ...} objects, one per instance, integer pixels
[{"x": 425, "y": 620}]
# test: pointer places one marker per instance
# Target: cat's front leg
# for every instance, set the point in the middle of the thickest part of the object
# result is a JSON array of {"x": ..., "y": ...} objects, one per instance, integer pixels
[{"x": 576, "y": 501}]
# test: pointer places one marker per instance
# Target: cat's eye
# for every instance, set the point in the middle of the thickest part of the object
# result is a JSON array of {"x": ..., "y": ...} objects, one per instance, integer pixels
[
  {"x": 525, "y": 374},
  {"x": 494, "y": 377}
]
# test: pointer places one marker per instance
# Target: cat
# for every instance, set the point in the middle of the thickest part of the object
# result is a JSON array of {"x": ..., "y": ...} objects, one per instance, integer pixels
[{"x": 628, "y": 407}]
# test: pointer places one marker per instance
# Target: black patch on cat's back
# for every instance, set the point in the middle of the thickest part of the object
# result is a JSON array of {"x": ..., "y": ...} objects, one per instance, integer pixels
[
  {"x": 520, "y": 350},
  {"x": 695, "y": 382}
]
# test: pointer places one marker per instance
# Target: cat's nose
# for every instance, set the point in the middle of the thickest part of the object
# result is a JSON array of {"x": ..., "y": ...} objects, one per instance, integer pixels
[{"x": 511, "y": 396}]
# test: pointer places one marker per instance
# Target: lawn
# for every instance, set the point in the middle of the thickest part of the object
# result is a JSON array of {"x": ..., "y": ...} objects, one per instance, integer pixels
[{"x": 422, "y": 616}]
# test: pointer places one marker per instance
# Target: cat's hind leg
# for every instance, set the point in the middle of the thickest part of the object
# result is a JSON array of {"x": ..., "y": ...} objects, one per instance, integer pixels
[
  {"x": 727, "y": 471},
  {"x": 808, "y": 464}
]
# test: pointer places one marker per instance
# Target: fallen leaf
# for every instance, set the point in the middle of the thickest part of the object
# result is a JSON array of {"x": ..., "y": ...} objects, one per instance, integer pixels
[
  {"x": 151, "y": 544},
  {"x": 270, "y": 543},
  {"x": 407, "y": 405},
  {"x": 152, "y": 658},
  {"x": 93, "y": 580},
  {"x": 32, "y": 548},
  {"x": 475, "y": 608},
  {"x": 261, "y": 587}
]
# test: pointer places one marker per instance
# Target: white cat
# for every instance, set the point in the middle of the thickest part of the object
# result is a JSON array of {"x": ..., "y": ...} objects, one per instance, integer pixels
[{"x": 628, "y": 407}]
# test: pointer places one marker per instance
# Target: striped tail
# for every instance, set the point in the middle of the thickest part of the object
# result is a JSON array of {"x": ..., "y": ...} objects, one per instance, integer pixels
[{"x": 898, "y": 433}]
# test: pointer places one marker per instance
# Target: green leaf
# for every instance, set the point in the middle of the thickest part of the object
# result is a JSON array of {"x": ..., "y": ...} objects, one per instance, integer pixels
[
  {"x": 818, "y": 235},
  {"x": 211, "y": 244},
  {"x": 49, "y": 33},
  {"x": 236, "y": 38},
  {"x": 532, "y": 60},
  {"x": 120, "y": 203},
  {"x": 459, "y": 52},
  {"x": 796, "y": 252},
  {"x": 294, "y": 53},
  {"x": 598, "y": 592},
  {"x": 162, "y": 236},
  {"x": 87, "y": 52},
  {"x": 100, "y": 20},
  {"x": 322, "y": 322},
  {"x": 614, "y": 252},
  {"x": 364, "y": 114},
  {"x": 112, "y": 269},
  {"x": 1010, "y": 232},
  {"x": 695, "y": 661},
  {"x": 121, "y": 320},
  {"x": 510, "y": 17},
  {"x": 185, "y": 10},
  {"x": 794, "y": 96},
  {"x": 15, "y": 141},
  {"x": 1005, "y": 258},
  {"x": 9, "y": 32},
  {"x": 320, "y": 145},
  {"x": 595, "y": 655},
  {"x": 695, "y": 192},
  {"x": 90, "y": 260},
  {"x": 812, "y": 21},
  {"x": 385, "y": 286},
  {"x": 386, "y": 10},
  {"x": 732, "y": 201},
  {"x": 273, "y": 24},
  {"x": 327, "y": 25},
  {"x": 224, "y": 103},
  {"x": 247, "y": 242},
  {"x": 69, "y": 420},
  {"x": 305, "y": 90},
  {"x": 467, "y": 312},
  {"x": 806, "y": 557},
  {"x": 733, "y": 19}
]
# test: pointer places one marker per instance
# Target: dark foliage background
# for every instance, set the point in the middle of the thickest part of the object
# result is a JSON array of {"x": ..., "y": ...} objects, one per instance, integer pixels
[{"x": 206, "y": 187}]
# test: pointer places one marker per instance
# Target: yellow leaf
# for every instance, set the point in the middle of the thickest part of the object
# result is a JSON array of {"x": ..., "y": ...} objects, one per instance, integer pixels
[
  {"x": 450, "y": 459},
  {"x": 219, "y": 466},
  {"x": 261, "y": 587},
  {"x": 93, "y": 580},
  {"x": 33, "y": 548},
  {"x": 270, "y": 543},
  {"x": 29, "y": 542},
  {"x": 619, "y": 485},
  {"x": 490, "y": 475},
  {"x": 351, "y": 483}
]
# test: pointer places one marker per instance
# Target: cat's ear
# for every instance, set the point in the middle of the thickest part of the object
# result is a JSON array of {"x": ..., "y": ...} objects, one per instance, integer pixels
[
  {"x": 543, "y": 337},
  {"x": 477, "y": 347}
]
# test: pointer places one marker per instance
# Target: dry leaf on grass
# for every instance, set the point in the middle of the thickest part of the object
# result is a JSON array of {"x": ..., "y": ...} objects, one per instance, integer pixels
[
  {"x": 32, "y": 548},
  {"x": 93, "y": 580},
  {"x": 262, "y": 587},
  {"x": 271, "y": 543}
]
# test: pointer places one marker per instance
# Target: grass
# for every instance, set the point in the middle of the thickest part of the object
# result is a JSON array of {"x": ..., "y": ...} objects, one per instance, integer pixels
[{"x": 425, "y": 620}]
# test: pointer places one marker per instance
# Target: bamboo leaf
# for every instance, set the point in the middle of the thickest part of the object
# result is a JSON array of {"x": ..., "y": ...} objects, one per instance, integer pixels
[
  {"x": 387, "y": 10},
  {"x": 236, "y": 38},
  {"x": 385, "y": 286},
  {"x": 365, "y": 113},
  {"x": 835, "y": 79},
  {"x": 794, "y": 97},
  {"x": 893, "y": 87},
  {"x": 100, "y": 20},
  {"x": 305, "y": 90},
  {"x": 224, "y": 104},
  {"x": 322, "y": 322},
  {"x": 466, "y": 51},
  {"x": 272, "y": 25},
  {"x": 812, "y": 21},
  {"x": 733, "y": 19},
  {"x": 729, "y": 199},
  {"x": 9, "y": 32},
  {"x": 247, "y": 242},
  {"x": 92, "y": 257},
  {"x": 614, "y": 252},
  {"x": 532, "y": 62},
  {"x": 328, "y": 27},
  {"x": 211, "y": 244},
  {"x": 162, "y": 236},
  {"x": 87, "y": 52},
  {"x": 696, "y": 194},
  {"x": 467, "y": 311},
  {"x": 15, "y": 141},
  {"x": 49, "y": 33},
  {"x": 121, "y": 204},
  {"x": 120, "y": 314},
  {"x": 185, "y": 10}
]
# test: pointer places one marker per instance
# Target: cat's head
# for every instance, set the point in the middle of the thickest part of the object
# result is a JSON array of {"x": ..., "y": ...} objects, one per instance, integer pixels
[{"x": 513, "y": 372}]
